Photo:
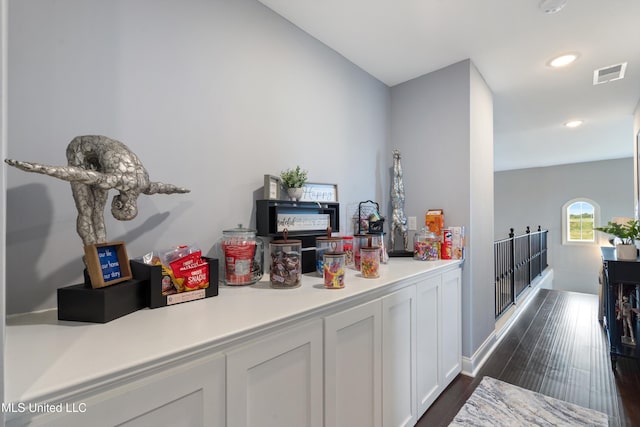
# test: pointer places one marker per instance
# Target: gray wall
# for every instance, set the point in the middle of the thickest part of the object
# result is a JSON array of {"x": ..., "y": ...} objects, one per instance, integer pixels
[
  {"x": 442, "y": 123},
  {"x": 535, "y": 197},
  {"x": 211, "y": 95}
]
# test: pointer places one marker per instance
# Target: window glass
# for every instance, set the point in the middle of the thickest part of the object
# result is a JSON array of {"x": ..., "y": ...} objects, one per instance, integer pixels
[{"x": 581, "y": 217}]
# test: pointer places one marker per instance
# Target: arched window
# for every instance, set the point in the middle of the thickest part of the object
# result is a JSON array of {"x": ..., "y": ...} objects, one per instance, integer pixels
[{"x": 579, "y": 217}]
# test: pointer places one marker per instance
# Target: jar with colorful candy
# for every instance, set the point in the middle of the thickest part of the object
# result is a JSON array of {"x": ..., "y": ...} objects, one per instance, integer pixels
[
  {"x": 360, "y": 241},
  {"x": 370, "y": 262},
  {"x": 347, "y": 245},
  {"x": 426, "y": 246},
  {"x": 324, "y": 244},
  {"x": 334, "y": 269}
]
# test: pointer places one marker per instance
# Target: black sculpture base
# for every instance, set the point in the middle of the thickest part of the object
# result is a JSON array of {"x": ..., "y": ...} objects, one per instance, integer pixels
[
  {"x": 81, "y": 303},
  {"x": 393, "y": 254}
]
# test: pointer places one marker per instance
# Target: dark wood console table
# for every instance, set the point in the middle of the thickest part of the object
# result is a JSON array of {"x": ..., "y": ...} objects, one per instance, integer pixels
[{"x": 621, "y": 278}]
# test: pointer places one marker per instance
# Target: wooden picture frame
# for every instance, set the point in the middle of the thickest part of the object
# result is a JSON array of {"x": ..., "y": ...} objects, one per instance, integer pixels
[
  {"x": 107, "y": 264},
  {"x": 314, "y": 192},
  {"x": 272, "y": 187}
]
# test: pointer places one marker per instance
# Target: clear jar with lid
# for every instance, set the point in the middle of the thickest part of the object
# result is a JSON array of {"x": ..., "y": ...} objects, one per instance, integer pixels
[
  {"x": 324, "y": 244},
  {"x": 347, "y": 245},
  {"x": 360, "y": 241},
  {"x": 334, "y": 269},
  {"x": 426, "y": 246},
  {"x": 243, "y": 254},
  {"x": 370, "y": 262},
  {"x": 286, "y": 263},
  {"x": 377, "y": 239}
]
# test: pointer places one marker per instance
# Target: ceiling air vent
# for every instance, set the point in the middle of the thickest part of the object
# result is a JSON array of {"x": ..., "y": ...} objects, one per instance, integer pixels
[{"x": 609, "y": 74}]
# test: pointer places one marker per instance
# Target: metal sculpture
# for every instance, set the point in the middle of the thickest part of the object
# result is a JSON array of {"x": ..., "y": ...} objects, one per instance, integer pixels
[
  {"x": 398, "y": 217},
  {"x": 97, "y": 164}
]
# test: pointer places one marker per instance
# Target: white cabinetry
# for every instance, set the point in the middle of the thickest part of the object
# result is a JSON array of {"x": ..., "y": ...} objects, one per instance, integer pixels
[
  {"x": 276, "y": 380},
  {"x": 399, "y": 358},
  {"x": 376, "y": 353},
  {"x": 451, "y": 332},
  {"x": 191, "y": 395},
  {"x": 439, "y": 335},
  {"x": 428, "y": 325},
  {"x": 353, "y": 366}
]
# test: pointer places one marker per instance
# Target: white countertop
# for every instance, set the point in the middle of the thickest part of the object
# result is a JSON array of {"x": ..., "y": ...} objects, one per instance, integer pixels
[{"x": 46, "y": 357}]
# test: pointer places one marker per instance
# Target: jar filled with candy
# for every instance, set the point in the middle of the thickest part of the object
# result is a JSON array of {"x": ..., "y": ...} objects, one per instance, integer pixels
[
  {"x": 324, "y": 244},
  {"x": 243, "y": 254},
  {"x": 347, "y": 244},
  {"x": 370, "y": 262},
  {"x": 426, "y": 246},
  {"x": 286, "y": 262},
  {"x": 360, "y": 241},
  {"x": 333, "y": 269}
]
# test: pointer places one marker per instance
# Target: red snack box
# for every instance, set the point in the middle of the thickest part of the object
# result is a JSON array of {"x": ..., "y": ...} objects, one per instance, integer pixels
[{"x": 446, "y": 251}]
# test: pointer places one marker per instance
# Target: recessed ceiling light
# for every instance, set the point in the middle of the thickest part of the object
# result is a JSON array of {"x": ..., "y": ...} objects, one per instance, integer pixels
[
  {"x": 563, "y": 60},
  {"x": 573, "y": 123}
]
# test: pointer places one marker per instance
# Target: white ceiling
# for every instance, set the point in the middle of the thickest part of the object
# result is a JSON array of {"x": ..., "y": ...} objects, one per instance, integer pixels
[{"x": 510, "y": 42}]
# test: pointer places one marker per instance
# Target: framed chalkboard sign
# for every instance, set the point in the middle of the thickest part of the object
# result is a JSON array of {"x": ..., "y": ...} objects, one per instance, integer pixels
[{"x": 107, "y": 264}]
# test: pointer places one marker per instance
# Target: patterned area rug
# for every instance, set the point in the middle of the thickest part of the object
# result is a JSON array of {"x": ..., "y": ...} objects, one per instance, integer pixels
[{"x": 496, "y": 403}]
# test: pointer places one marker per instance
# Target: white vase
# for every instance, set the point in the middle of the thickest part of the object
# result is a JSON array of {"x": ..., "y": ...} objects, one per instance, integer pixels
[
  {"x": 294, "y": 193},
  {"x": 626, "y": 252}
]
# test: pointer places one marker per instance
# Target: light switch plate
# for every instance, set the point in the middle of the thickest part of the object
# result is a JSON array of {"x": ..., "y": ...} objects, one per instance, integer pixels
[{"x": 412, "y": 222}]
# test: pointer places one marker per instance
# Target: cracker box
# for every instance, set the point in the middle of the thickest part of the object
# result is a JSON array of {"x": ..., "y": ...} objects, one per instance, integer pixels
[
  {"x": 434, "y": 220},
  {"x": 446, "y": 250},
  {"x": 457, "y": 242}
]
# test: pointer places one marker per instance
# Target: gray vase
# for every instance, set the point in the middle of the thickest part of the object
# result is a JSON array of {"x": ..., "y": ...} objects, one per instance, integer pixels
[{"x": 294, "y": 193}]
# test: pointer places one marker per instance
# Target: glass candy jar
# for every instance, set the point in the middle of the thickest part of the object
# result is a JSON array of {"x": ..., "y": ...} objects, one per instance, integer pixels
[
  {"x": 426, "y": 246},
  {"x": 370, "y": 262},
  {"x": 360, "y": 241},
  {"x": 347, "y": 245},
  {"x": 377, "y": 239},
  {"x": 334, "y": 264},
  {"x": 324, "y": 244},
  {"x": 286, "y": 263},
  {"x": 243, "y": 255}
]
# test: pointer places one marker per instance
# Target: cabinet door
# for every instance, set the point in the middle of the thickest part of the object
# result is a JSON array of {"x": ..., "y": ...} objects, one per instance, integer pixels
[
  {"x": 191, "y": 395},
  {"x": 353, "y": 367},
  {"x": 429, "y": 383},
  {"x": 399, "y": 358},
  {"x": 451, "y": 352},
  {"x": 276, "y": 381}
]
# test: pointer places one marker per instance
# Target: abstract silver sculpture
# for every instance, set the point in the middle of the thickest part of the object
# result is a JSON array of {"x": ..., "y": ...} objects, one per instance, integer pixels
[
  {"x": 398, "y": 217},
  {"x": 98, "y": 164}
]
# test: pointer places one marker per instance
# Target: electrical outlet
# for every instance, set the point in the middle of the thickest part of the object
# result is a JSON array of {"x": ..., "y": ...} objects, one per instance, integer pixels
[{"x": 412, "y": 222}]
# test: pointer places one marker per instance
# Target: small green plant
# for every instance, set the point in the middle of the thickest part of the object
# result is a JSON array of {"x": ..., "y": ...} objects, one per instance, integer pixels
[
  {"x": 628, "y": 233},
  {"x": 294, "y": 178}
]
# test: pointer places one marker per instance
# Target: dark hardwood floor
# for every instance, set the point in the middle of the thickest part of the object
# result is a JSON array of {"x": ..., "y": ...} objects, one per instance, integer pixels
[{"x": 556, "y": 347}]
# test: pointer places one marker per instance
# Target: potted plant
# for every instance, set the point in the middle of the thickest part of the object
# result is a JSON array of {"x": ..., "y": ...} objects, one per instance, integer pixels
[
  {"x": 627, "y": 233},
  {"x": 293, "y": 180}
]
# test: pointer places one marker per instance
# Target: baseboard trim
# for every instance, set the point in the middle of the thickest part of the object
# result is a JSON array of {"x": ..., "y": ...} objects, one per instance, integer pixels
[{"x": 471, "y": 365}]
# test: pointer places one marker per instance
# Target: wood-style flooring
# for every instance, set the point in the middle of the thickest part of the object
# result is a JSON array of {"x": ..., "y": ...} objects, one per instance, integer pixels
[{"x": 556, "y": 347}]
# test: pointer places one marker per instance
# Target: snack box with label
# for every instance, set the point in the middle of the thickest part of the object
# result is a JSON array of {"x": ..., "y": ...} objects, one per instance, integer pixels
[{"x": 434, "y": 221}]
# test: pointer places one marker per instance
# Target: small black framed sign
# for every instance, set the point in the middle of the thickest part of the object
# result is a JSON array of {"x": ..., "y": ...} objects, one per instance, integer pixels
[{"x": 107, "y": 264}]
